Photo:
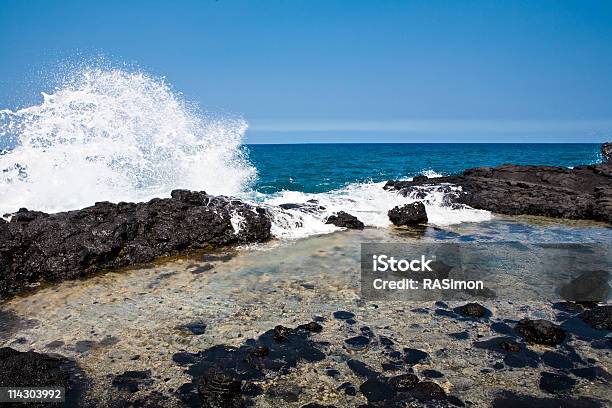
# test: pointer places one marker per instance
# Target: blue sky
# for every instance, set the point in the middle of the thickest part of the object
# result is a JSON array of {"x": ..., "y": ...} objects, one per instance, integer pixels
[{"x": 345, "y": 71}]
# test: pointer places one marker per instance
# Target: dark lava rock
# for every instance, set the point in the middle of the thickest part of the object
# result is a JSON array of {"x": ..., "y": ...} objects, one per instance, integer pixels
[
  {"x": 511, "y": 400},
  {"x": 249, "y": 362},
  {"x": 414, "y": 356},
  {"x": 348, "y": 389},
  {"x": 37, "y": 247},
  {"x": 420, "y": 178},
  {"x": 599, "y": 318},
  {"x": 313, "y": 327},
  {"x": 342, "y": 315},
  {"x": 220, "y": 390},
  {"x": 346, "y": 220},
  {"x": 404, "y": 382},
  {"x": 514, "y": 354},
  {"x": 357, "y": 342},
  {"x": 459, "y": 335},
  {"x": 281, "y": 333},
  {"x": 606, "y": 152},
  {"x": 510, "y": 346},
  {"x": 428, "y": 391},
  {"x": 130, "y": 381},
  {"x": 591, "y": 373},
  {"x": 408, "y": 214},
  {"x": 541, "y": 332},
  {"x": 556, "y": 360},
  {"x": 361, "y": 368},
  {"x": 583, "y": 192},
  {"x": 590, "y": 286},
  {"x": 556, "y": 383},
  {"x": 331, "y": 372},
  {"x": 31, "y": 369},
  {"x": 432, "y": 374},
  {"x": 473, "y": 310},
  {"x": 375, "y": 389}
]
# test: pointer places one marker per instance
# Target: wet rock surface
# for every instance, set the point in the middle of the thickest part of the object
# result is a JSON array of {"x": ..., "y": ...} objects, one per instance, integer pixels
[
  {"x": 599, "y": 318},
  {"x": 473, "y": 310},
  {"x": 345, "y": 220},
  {"x": 37, "y": 247},
  {"x": 409, "y": 214},
  {"x": 541, "y": 332},
  {"x": 584, "y": 192}
]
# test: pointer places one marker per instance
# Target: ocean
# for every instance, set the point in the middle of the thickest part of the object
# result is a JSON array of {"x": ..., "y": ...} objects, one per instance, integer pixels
[{"x": 316, "y": 168}]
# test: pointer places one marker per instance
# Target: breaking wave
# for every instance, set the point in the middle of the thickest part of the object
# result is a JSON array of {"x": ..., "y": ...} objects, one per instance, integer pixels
[{"x": 113, "y": 135}]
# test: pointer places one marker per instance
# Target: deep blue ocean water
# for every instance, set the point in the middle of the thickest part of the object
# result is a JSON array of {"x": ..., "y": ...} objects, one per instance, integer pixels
[{"x": 315, "y": 168}]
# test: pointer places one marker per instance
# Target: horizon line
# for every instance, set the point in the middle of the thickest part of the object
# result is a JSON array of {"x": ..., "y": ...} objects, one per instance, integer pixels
[{"x": 602, "y": 125}]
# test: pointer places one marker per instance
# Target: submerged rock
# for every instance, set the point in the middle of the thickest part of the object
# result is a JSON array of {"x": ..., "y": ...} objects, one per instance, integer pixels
[
  {"x": 599, "y": 318},
  {"x": 541, "y": 332},
  {"x": 346, "y": 220},
  {"x": 36, "y": 247},
  {"x": 404, "y": 382},
  {"x": 220, "y": 390},
  {"x": 473, "y": 310},
  {"x": 408, "y": 214},
  {"x": 583, "y": 192},
  {"x": 131, "y": 381},
  {"x": 428, "y": 391},
  {"x": 221, "y": 373}
]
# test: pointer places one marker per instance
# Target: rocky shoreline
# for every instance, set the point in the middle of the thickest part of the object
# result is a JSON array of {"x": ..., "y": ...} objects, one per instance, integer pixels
[
  {"x": 583, "y": 192},
  {"x": 36, "y": 247}
]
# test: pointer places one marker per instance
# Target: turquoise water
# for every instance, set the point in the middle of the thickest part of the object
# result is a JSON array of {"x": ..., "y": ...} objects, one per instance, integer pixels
[{"x": 315, "y": 168}]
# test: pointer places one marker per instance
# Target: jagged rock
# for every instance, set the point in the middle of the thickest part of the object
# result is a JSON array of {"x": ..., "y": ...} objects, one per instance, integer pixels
[
  {"x": 473, "y": 310},
  {"x": 599, "y": 318},
  {"x": 428, "y": 391},
  {"x": 404, "y": 382},
  {"x": 346, "y": 220},
  {"x": 541, "y": 332},
  {"x": 37, "y": 247},
  {"x": 408, "y": 214},
  {"x": 420, "y": 178},
  {"x": 220, "y": 390},
  {"x": 31, "y": 369},
  {"x": 606, "y": 151},
  {"x": 584, "y": 192}
]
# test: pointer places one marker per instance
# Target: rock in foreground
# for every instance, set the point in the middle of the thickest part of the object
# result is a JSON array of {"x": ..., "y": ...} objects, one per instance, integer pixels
[
  {"x": 599, "y": 318},
  {"x": 31, "y": 369},
  {"x": 346, "y": 220},
  {"x": 409, "y": 214},
  {"x": 541, "y": 332},
  {"x": 37, "y": 247},
  {"x": 584, "y": 192}
]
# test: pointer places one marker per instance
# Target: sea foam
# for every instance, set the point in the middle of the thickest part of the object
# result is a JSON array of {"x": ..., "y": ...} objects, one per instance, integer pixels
[{"x": 114, "y": 135}]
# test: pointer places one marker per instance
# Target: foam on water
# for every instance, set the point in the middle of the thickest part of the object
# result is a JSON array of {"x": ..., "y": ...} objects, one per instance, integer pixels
[
  {"x": 113, "y": 135},
  {"x": 369, "y": 202}
]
